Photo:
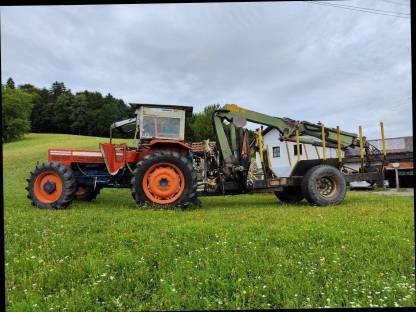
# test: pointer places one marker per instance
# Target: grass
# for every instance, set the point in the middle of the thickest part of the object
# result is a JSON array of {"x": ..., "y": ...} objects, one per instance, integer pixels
[{"x": 240, "y": 252}]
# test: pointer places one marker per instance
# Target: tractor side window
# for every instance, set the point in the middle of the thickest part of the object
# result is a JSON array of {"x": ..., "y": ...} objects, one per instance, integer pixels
[
  {"x": 168, "y": 127},
  {"x": 149, "y": 126},
  {"x": 295, "y": 150},
  {"x": 161, "y": 127},
  {"x": 276, "y": 151}
]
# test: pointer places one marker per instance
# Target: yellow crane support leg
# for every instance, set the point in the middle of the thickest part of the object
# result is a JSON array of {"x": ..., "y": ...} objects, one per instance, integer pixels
[
  {"x": 297, "y": 143},
  {"x": 259, "y": 139},
  {"x": 323, "y": 143},
  {"x": 317, "y": 152},
  {"x": 288, "y": 153},
  {"x": 382, "y": 139},
  {"x": 361, "y": 148},
  {"x": 339, "y": 145},
  {"x": 306, "y": 151}
]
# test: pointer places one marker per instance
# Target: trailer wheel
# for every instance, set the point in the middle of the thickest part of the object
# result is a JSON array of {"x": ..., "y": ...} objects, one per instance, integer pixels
[
  {"x": 290, "y": 194},
  {"x": 164, "y": 178},
  {"x": 51, "y": 185},
  {"x": 86, "y": 193},
  {"x": 323, "y": 185}
]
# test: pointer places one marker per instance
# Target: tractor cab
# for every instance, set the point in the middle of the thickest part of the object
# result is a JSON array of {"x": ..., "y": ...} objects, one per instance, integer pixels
[
  {"x": 155, "y": 121},
  {"x": 161, "y": 121}
]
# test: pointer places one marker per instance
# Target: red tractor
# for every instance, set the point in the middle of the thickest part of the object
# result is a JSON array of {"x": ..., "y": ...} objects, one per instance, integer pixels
[{"x": 158, "y": 169}]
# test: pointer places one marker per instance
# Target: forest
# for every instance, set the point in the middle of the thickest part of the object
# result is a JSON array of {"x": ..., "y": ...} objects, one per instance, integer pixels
[{"x": 27, "y": 108}]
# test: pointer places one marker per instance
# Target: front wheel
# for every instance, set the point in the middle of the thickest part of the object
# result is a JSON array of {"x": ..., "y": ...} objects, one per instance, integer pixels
[
  {"x": 324, "y": 185},
  {"x": 51, "y": 185},
  {"x": 164, "y": 178}
]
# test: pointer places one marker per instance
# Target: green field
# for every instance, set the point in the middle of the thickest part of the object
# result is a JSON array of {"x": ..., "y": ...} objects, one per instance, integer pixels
[{"x": 241, "y": 252}]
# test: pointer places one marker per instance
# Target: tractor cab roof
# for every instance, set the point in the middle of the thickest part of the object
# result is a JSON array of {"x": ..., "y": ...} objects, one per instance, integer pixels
[{"x": 187, "y": 109}]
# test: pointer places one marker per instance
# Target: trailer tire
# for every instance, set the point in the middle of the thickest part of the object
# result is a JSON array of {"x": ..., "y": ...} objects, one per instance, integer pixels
[
  {"x": 290, "y": 194},
  {"x": 323, "y": 185},
  {"x": 51, "y": 185},
  {"x": 174, "y": 171}
]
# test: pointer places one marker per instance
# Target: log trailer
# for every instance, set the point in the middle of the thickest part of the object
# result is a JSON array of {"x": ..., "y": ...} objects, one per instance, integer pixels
[{"x": 160, "y": 169}]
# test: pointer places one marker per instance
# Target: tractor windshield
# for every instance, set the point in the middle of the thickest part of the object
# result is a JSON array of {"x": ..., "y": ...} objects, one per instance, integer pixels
[{"x": 161, "y": 127}]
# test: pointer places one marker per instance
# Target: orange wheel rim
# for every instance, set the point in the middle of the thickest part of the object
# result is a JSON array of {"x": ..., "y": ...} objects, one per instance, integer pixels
[
  {"x": 48, "y": 187},
  {"x": 163, "y": 183}
]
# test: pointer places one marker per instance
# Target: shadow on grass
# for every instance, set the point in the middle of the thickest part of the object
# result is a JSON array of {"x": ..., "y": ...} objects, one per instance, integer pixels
[{"x": 110, "y": 200}]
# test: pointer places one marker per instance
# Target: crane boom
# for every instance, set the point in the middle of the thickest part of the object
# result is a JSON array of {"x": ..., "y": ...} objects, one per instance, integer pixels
[{"x": 285, "y": 126}]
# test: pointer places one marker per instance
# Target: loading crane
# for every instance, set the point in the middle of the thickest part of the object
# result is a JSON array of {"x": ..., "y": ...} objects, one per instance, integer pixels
[{"x": 321, "y": 181}]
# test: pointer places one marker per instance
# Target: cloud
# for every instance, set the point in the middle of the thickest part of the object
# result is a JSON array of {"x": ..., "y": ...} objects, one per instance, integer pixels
[{"x": 294, "y": 59}]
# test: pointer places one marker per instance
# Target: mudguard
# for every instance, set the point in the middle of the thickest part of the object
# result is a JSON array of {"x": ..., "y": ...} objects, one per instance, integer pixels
[{"x": 114, "y": 156}]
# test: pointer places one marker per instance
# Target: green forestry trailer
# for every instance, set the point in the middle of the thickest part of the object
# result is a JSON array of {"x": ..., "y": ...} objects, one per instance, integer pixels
[{"x": 226, "y": 169}]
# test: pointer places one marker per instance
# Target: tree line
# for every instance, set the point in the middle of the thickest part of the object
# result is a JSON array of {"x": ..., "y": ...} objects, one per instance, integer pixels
[{"x": 57, "y": 109}]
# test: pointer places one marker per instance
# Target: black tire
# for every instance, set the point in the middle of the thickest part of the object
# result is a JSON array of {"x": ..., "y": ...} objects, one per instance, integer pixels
[
  {"x": 89, "y": 195},
  {"x": 189, "y": 193},
  {"x": 64, "y": 176},
  {"x": 323, "y": 185},
  {"x": 290, "y": 194}
]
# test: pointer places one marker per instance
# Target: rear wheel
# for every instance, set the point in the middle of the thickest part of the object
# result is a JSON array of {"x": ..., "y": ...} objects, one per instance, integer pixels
[
  {"x": 290, "y": 194},
  {"x": 164, "y": 178},
  {"x": 323, "y": 185},
  {"x": 51, "y": 185}
]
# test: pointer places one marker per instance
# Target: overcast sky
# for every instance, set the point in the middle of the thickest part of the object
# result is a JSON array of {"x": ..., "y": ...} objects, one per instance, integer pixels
[{"x": 295, "y": 59}]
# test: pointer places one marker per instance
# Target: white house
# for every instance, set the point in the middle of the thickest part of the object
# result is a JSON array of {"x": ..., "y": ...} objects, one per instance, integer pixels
[{"x": 283, "y": 155}]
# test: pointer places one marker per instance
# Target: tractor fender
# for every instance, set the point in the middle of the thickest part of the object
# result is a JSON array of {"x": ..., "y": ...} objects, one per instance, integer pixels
[
  {"x": 114, "y": 156},
  {"x": 172, "y": 145}
]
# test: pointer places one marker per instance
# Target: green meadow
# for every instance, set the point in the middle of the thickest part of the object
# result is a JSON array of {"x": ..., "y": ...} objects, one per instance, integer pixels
[{"x": 233, "y": 252}]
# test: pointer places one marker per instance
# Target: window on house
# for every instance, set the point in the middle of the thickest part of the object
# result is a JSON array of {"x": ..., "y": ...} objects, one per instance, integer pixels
[
  {"x": 276, "y": 151},
  {"x": 295, "y": 150}
]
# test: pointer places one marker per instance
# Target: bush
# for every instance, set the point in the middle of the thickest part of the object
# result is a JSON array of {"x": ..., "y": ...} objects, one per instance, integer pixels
[{"x": 16, "y": 110}]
